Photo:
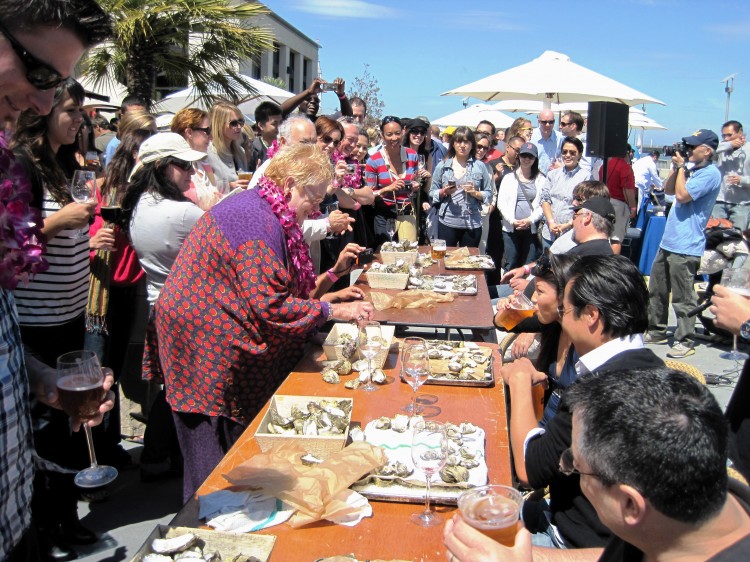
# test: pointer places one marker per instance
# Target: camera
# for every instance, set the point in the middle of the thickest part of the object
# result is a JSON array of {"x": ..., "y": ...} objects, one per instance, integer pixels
[
  {"x": 351, "y": 168},
  {"x": 675, "y": 148},
  {"x": 328, "y": 87},
  {"x": 365, "y": 256}
]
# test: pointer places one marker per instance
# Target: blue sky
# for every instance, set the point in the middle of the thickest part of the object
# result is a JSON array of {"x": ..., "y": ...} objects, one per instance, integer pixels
[{"x": 675, "y": 51}]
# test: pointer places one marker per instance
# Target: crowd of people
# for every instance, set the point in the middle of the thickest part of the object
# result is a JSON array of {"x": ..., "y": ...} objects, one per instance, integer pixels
[{"x": 215, "y": 251}]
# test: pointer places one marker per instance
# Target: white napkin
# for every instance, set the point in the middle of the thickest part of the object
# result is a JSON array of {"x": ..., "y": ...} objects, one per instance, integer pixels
[{"x": 242, "y": 512}]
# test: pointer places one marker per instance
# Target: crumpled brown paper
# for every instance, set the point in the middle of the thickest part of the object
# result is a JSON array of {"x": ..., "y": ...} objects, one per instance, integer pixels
[
  {"x": 413, "y": 298},
  {"x": 318, "y": 491},
  {"x": 457, "y": 255}
]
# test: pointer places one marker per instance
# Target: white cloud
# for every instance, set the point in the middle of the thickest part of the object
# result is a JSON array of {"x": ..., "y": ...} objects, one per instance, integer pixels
[
  {"x": 355, "y": 9},
  {"x": 485, "y": 20},
  {"x": 734, "y": 30}
]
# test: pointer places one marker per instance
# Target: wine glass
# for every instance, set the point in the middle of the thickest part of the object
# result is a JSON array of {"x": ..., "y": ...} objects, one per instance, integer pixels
[
  {"x": 429, "y": 451},
  {"x": 83, "y": 190},
  {"x": 80, "y": 391},
  {"x": 416, "y": 366},
  {"x": 331, "y": 207},
  {"x": 420, "y": 162},
  {"x": 370, "y": 343},
  {"x": 390, "y": 228},
  {"x": 738, "y": 281}
]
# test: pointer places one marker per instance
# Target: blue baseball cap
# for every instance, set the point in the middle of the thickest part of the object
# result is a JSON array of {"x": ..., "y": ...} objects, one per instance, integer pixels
[{"x": 702, "y": 136}]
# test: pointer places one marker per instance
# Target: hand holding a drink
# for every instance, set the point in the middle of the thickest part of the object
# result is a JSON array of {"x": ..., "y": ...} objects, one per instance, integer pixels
[
  {"x": 516, "y": 308},
  {"x": 465, "y": 543}
]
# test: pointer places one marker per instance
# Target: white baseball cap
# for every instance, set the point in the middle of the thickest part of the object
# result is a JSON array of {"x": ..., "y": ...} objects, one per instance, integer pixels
[{"x": 165, "y": 145}]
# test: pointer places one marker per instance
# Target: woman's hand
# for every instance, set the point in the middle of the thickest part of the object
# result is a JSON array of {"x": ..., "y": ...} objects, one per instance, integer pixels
[
  {"x": 523, "y": 224},
  {"x": 339, "y": 171},
  {"x": 346, "y": 258},
  {"x": 731, "y": 309},
  {"x": 340, "y": 222},
  {"x": 75, "y": 215},
  {"x": 521, "y": 345},
  {"x": 426, "y": 206},
  {"x": 104, "y": 239},
  {"x": 344, "y": 295},
  {"x": 239, "y": 183},
  {"x": 465, "y": 544},
  {"x": 397, "y": 185},
  {"x": 353, "y": 311},
  {"x": 424, "y": 174}
]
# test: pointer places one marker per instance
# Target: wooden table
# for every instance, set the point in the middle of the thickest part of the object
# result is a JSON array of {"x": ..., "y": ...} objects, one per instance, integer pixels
[
  {"x": 470, "y": 312},
  {"x": 388, "y": 534}
]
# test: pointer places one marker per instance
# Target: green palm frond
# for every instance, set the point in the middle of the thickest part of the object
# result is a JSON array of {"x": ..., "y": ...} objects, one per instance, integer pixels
[{"x": 205, "y": 40}]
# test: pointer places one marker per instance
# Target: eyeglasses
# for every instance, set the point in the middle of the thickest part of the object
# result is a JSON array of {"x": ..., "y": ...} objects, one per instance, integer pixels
[
  {"x": 567, "y": 465},
  {"x": 562, "y": 311},
  {"x": 546, "y": 122},
  {"x": 569, "y": 152},
  {"x": 206, "y": 130},
  {"x": 563, "y": 124},
  {"x": 525, "y": 128},
  {"x": 390, "y": 119},
  {"x": 183, "y": 165},
  {"x": 417, "y": 132},
  {"x": 39, "y": 74},
  {"x": 326, "y": 139},
  {"x": 234, "y": 123},
  {"x": 526, "y": 155},
  {"x": 482, "y": 147},
  {"x": 516, "y": 148}
]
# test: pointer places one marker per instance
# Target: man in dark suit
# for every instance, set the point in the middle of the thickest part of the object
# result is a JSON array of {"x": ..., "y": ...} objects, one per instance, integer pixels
[{"x": 604, "y": 314}]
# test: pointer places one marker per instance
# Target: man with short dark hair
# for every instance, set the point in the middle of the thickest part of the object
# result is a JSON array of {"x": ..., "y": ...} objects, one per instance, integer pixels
[
  {"x": 103, "y": 132},
  {"x": 267, "y": 119},
  {"x": 684, "y": 240},
  {"x": 646, "y": 175},
  {"x": 488, "y": 129},
  {"x": 40, "y": 43},
  {"x": 733, "y": 161},
  {"x": 359, "y": 110},
  {"x": 571, "y": 125},
  {"x": 129, "y": 103},
  {"x": 603, "y": 314}
]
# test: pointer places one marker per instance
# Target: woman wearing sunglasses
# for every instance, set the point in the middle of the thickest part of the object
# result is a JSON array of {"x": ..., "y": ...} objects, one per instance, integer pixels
[
  {"x": 558, "y": 197},
  {"x": 389, "y": 172},
  {"x": 193, "y": 125},
  {"x": 519, "y": 202},
  {"x": 226, "y": 156},
  {"x": 416, "y": 138},
  {"x": 155, "y": 211},
  {"x": 521, "y": 127},
  {"x": 460, "y": 186}
]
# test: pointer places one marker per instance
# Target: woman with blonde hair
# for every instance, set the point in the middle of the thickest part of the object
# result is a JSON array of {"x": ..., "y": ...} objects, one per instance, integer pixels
[
  {"x": 251, "y": 245},
  {"x": 193, "y": 125},
  {"x": 521, "y": 127},
  {"x": 225, "y": 153}
]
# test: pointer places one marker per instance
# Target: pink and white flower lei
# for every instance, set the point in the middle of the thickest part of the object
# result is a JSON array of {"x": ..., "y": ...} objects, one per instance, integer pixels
[
  {"x": 21, "y": 239},
  {"x": 301, "y": 265},
  {"x": 349, "y": 180},
  {"x": 273, "y": 149}
]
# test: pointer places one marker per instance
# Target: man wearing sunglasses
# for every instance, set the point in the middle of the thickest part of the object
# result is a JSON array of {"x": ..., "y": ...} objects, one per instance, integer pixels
[
  {"x": 40, "y": 43},
  {"x": 546, "y": 139}
]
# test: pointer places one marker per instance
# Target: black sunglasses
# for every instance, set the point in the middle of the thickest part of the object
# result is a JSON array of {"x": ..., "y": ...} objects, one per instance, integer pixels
[
  {"x": 183, "y": 165},
  {"x": 206, "y": 130},
  {"x": 328, "y": 140},
  {"x": 417, "y": 132},
  {"x": 237, "y": 123},
  {"x": 39, "y": 74},
  {"x": 546, "y": 122},
  {"x": 390, "y": 119},
  {"x": 482, "y": 147}
]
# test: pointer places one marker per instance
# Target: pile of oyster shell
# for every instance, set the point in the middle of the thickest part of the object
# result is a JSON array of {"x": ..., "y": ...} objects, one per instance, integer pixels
[
  {"x": 188, "y": 548},
  {"x": 334, "y": 370},
  {"x": 466, "y": 362},
  {"x": 450, "y": 283},
  {"x": 402, "y": 246},
  {"x": 325, "y": 417},
  {"x": 399, "y": 266},
  {"x": 471, "y": 262}
]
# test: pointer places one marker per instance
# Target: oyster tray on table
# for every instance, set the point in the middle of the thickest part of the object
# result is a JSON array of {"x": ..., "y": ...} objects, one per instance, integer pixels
[
  {"x": 458, "y": 363},
  {"x": 400, "y": 481}
]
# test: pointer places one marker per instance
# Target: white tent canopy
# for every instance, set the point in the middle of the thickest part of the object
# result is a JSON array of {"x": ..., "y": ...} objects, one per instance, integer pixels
[
  {"x": 472, "y": 115},
  {"x": 552, "y": 77},
  {"x": 189, "y": 98}
]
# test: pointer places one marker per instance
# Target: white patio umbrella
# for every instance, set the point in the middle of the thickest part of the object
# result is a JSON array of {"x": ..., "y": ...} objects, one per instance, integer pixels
[
  {"x": 472, "y": 115},
  {"x": 536, "y": 106},
  {"x": 552, "y": 77},
  {"x": 189, "y": 98},
  {"x": 644, "y": 122}
]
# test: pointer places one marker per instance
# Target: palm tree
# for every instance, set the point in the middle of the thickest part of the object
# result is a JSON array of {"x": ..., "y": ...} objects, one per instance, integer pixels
[{"x": 204, "y": 40}]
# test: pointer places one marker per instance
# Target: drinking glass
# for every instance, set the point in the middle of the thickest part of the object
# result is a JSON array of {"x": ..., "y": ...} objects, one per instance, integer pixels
[
  {"x": 420, "y": 162},
  {"x": 416, "y": 370},
  {"x": 520, "y": 308},
  {"x": 329, "y": 208},
  {"x": 429, "y": 451},
  {"x": 390, "y": 228},
  {"x": 738, "y": 281},
  {"x": 438, "y": 250},
  {"x": 83, "y": 190},
  {"x": 370, "y": 343},
  {"x": 493, "y": 510},
  {"x": 80, "y": 391}
]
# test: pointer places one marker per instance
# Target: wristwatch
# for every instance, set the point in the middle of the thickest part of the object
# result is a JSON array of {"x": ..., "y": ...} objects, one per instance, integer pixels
[
  {"x": 745, "y": 330},
  {"x": 349, "y": 191}
]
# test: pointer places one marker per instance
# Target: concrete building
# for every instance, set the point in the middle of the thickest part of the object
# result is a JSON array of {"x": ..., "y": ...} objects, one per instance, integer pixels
[{"x": 294, "y": 60}]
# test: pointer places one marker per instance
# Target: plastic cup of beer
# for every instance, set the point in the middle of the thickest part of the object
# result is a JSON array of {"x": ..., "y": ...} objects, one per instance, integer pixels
[
  {"x": 438, "y": 249},
  {"x": 494, "y": 510},
  {"x": 520, "y": 308},
  {"x": 244, "y": 175}
]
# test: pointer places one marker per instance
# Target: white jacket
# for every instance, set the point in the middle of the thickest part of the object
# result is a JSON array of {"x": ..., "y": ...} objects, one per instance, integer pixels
[{"x": 508, "y": 195}]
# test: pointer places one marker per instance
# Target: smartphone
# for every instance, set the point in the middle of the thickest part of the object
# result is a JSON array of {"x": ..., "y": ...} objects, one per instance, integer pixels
[
  {"x": 450, "y": 184},
  {"x": 366, "y": 256},
  {"x": 351, "y": 168},
  {"x": 328, "y": 87}
]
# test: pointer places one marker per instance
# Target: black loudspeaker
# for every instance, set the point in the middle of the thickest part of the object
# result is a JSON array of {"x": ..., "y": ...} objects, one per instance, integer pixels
[{"x": 607, "y": 129}]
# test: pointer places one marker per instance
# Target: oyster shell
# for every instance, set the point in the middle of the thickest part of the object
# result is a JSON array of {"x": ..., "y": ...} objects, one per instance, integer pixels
[
  {"x": 277, "y": 430},
  {"x": 352, "y": 384},
  {"x": 310, "y": 460},
  {"x": 342, "y": 367},
  {"x": 454, "y": 474},
  {"x": 378, "y": 376},
  {"x": 357, "y": 434},
  {"x": 455, "y": 367},
  {"x": 402, "y": 470},
  {"x": 415, "y": 281},
  {"x": 383, "y": 423},
  {"x": 330, "y": 376},
  {"x": 400, "y": 423},
  {"x": 173, "y": 545},
  {"x": 469, "y": 463},
  {"x": 467, "y": 453},
  {"x": 360, "y": 365},
  {"x": 157, "y": 558},
  {"x": 467, "y": 428},
  {"x": 195, "y": 553}
]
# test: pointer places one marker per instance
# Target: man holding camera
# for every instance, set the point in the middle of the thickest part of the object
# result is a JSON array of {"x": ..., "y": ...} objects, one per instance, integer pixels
[{"x": 682, "y": 245}]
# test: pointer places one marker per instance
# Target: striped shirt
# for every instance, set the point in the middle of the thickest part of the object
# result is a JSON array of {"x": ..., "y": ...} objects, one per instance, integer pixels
[
  {"x": 378, "y": 175},
  {"x": 59, "y": 294},
  {"x": 16, "y": 464}
]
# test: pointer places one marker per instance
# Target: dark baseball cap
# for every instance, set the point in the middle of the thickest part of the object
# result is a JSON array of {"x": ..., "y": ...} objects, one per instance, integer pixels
[
  {"x": 529, "y": 148},
  {"x": 599, "y": 205},
  {"x": 702, "y": 136}
]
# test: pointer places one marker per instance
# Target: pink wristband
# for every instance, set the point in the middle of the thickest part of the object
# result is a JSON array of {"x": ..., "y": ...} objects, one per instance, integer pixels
[
  {"x": 357, "y": 205},
  {"x": 332, "y": 276}
]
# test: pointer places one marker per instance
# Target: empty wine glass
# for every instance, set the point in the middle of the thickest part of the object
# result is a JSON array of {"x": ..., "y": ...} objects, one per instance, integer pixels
[
  {"x": 83, "y": 190},
  {"x": 331, "y": 207},
  {"x": 420, "y": 162},
  {"x": 370, "y": 344},
  {"x": 390, "y": 228},
  {"x": 80, "y": 389},
  {"x": 738, "y": 281},
  {"x": 416, "y": 366},
  {"x": 429, "y": 451}
]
